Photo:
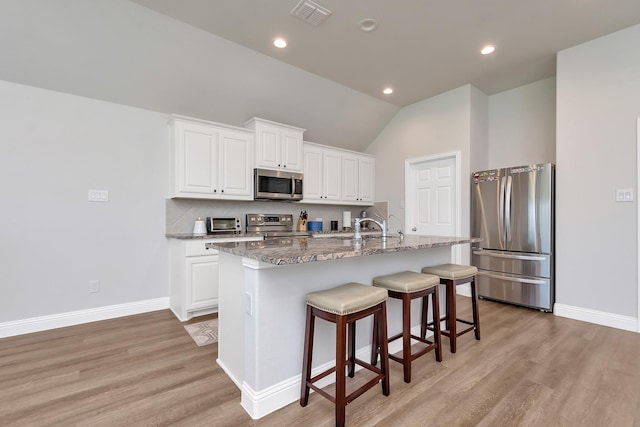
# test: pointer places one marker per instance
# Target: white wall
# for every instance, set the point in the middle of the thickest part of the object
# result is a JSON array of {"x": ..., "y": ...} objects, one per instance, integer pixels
[
  {"x": 522, "y": 125},
  {"x": 119, "y": 51},
  {"x": 54, "y": 148},
  {"x": 479, "y": 138},
  {"x": 598, "y": 103},
  {"x": 440, "y": 124}
]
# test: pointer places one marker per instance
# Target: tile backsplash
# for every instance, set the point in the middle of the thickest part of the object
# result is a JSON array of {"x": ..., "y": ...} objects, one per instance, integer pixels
[{"x": 181, "y": 213}]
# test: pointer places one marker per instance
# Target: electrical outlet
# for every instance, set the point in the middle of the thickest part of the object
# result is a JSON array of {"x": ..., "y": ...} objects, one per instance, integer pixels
[
  {"x": 94, "y": 286},
  {"x": 624, "y": 195},
  {"x": 98, "y": 195}
]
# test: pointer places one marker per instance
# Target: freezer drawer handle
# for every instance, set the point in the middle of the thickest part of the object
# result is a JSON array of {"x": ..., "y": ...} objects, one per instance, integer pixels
[
  {"x": 520, "y": 257},
  {"x": 513, "y": 279}
]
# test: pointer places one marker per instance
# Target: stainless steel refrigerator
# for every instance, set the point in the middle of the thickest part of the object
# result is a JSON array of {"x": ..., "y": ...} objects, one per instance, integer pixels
[{"x": 512, "y": 210}]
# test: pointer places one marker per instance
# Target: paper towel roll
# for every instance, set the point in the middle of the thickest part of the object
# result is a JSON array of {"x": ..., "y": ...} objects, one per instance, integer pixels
[{"x": 346, "y": 219}]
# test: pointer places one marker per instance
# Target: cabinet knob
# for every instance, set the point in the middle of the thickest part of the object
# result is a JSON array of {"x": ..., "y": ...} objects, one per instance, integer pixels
[
  {"x": 222, "y": 191},
  {"x": 215, "y": 191}
]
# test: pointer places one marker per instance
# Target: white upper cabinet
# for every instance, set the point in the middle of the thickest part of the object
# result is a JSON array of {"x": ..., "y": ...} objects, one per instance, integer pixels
[
  {"x": 322, "y": 174},
  {"x": 358, "y": 179},
  {"x": 366, "y": 180},
  {"x": 335, "y": 176},
  {"x": 277, "y": 146},
  {"x": 211, "y": 160}
]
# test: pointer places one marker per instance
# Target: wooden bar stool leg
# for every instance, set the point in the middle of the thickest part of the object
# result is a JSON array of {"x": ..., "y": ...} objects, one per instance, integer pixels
[
  {"x": 375, "y": 341},
  {"x": 306, "y": 361},
  {"x": 451, "y": 314},
  {"x": 341, "y": 401},
  {"x": 474, "y": 303},
  {"x": 425, "y": 315},
  {"x": 435, "y": 302},
  {"x": 381, "y": 331},
  {"x": 406, "y": 336},
  {"x": 351, "y": 349}
]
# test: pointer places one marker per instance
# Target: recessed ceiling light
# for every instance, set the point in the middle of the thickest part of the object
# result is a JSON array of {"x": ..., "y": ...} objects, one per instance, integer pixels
[
  {"x": 487, "y": 49},
  {"x": 368, "y": 24},
  {"x": 387, "y": 91},
  {"x": 280, "y": 43}
]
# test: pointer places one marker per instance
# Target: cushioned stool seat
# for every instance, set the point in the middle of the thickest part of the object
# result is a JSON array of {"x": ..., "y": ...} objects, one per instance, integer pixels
[
  {"x": 406, "y": 286},
  {"x": 452, "y": 275},
  {"x": 344, "y": 305}
]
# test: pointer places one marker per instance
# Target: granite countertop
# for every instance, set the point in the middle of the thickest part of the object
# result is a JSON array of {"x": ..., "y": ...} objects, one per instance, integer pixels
[
  {"x": 216, "y": 237},
  {"x": 258, "y": 236},
  {"x": 308, "y": 249}
]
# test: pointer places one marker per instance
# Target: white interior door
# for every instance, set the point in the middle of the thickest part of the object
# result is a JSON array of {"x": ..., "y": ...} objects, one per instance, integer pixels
[{"x": 432, "y": 196}]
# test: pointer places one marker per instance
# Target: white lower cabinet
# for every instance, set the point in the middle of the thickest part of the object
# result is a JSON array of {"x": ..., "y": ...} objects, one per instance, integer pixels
[{"x": 194, "y": 278}]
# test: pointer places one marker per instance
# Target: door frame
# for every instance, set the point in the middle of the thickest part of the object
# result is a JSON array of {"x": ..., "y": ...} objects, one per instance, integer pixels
[
  {"x": 638, "y": 222},
  {"x": 456, "y": 250}
]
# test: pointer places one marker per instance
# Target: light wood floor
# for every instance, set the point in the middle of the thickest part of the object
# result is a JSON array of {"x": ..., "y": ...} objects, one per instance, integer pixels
[{"x": 529, "y": 369}]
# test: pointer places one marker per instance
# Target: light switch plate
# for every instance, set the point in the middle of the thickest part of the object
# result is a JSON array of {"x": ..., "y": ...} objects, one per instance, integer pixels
[
  {"x": 98, "y": 195},
  {"x": 624, "y": 195}
]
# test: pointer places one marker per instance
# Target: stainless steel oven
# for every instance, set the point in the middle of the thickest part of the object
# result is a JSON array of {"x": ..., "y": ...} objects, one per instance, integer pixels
[
  {"x": 273, "y": 225},
  {"x": 277, "y": 185}
]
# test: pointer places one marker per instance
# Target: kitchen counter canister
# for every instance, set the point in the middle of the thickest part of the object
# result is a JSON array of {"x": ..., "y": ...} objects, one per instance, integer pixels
[{"x": 308, "y": 249}]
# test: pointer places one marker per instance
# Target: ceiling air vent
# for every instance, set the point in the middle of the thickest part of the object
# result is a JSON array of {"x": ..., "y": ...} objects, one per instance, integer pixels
[{"x": 310, "y": 12}]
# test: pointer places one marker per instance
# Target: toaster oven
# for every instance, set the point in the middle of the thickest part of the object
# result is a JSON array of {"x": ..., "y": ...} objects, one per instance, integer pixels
[{"x": 223, "y": 225}]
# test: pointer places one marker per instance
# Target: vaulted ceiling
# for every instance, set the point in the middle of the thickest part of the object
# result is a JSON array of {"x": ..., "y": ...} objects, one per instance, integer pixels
[
  {"x": 214, "y": 59},
  {"x": 420, "y": 48}
]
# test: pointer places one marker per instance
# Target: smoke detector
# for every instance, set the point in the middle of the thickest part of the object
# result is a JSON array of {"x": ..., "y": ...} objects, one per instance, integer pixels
[{"x": 310, "y": 12}]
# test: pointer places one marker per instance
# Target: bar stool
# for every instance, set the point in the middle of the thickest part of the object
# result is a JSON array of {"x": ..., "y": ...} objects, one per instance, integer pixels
[
  {"x": 344, "y": 305},
  {"x": 407, "y": 286},
  {"x": 453, "y": 275}
]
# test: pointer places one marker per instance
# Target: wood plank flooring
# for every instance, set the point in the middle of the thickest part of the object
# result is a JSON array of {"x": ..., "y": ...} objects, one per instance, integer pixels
[{"x": 529, "y": 369}]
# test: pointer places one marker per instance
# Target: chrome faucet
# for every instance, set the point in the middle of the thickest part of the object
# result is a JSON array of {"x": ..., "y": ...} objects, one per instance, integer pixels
[{"x": 383, "y": 227}]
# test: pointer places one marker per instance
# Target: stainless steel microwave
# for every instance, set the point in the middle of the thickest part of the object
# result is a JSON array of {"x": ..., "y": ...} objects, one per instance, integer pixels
[{"x": 277, "y": 185}]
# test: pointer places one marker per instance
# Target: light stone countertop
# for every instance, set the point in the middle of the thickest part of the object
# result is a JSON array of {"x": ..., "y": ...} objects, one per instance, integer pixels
[
  {"x": 215, "y": 238},
  {"x": 300, "y": 250}
]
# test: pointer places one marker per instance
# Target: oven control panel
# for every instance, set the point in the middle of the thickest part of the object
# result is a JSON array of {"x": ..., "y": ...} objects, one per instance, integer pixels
[{"x": 269, "y": 222}]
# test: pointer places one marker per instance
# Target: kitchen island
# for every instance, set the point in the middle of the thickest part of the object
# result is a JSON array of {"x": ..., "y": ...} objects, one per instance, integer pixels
[{"x": 262, "y": 304}]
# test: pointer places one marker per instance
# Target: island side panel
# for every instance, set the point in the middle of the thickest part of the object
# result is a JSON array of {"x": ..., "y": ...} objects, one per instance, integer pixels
[
  {"x": 274, "y": 333},
  {"x": 231, "y": 315}
]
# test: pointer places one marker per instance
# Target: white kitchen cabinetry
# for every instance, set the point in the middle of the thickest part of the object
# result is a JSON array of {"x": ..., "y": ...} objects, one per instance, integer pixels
[
  {"x": 277, "y": 146},
  {"x": 194, "y": 278},
  {"x": 211, "y": 160},
  {"x": 322, "y": 174},
  {"x": 358, "y": 179}
]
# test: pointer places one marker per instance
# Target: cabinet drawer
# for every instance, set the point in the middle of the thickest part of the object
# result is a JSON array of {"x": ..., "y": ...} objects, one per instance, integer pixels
[{"x": 198, "y": 248}]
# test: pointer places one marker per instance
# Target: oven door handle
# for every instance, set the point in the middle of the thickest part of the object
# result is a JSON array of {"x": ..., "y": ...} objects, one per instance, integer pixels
[
  {"x": 506, "y": 256},
  {"x": 512, "y": 279}
]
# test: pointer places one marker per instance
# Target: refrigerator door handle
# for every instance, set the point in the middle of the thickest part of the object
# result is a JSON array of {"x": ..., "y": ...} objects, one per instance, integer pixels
[
  {"x": 503, "y": 243},
  {"x": 507, "y": 210},
  {"x": 518, "y": 257},
  {"x": 512, "y": 279}
]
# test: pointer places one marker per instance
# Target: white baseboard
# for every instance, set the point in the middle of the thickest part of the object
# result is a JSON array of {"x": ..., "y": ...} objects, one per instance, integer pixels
[
  {"x": 626, "y": 323},
  {"x": 44, "y": 323},
  {"x": 263, "y": 402},
  {"x": 464, "y": 290}
]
